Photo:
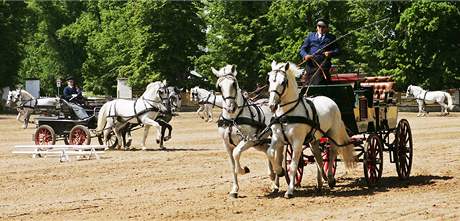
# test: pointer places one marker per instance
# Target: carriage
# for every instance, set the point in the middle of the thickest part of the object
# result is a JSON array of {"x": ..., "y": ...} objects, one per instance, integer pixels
[
  {"x": 369, "y": 111},
  {"x": 66, "y": 125}
]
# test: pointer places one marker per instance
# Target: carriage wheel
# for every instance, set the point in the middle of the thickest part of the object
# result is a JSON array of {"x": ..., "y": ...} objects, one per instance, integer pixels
[
  {"x": 326, "y": 154},
  {"x": 45, "y": 135},
  {"x": 287, "y": 165},
  {"x": 112, "y": 140},
  {"x": 373, "y": 159},
  {"x": 403, "y": 149},
  {"x": 79, "y": 135}
]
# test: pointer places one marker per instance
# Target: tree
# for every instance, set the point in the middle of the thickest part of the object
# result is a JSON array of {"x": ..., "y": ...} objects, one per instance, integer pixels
[
  {"x": 12, "y": 17},
  {"x": 235, "y": 35}
]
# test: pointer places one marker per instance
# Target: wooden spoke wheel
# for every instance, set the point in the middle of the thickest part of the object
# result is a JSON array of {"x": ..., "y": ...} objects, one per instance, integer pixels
[
  {"x": 112, "y": 140},
  {"x": 287, "y": 165},
  {"x": 403, "y": 149},
  {"x": 79, "y": 135},
  {"x": 325, "y": 154},
  {"x": 373, "y": 160},
  {"x": 45, "y": 135}
]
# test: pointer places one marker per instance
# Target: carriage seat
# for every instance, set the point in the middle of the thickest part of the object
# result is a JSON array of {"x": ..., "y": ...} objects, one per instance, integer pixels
[
  {"x": 73, "y": 111},
  {"x": 383, "y": 88}
]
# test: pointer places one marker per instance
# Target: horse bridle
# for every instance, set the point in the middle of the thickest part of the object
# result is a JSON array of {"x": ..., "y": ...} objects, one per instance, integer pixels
[
  {"x": 284, "y": 83},
  {"x": 234, "y": 85}
]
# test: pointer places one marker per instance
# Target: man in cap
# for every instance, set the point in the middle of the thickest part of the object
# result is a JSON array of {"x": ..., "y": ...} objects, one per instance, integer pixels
[
  {"x": 317, "y": 50},
  {"x": 72, "y": 92}
]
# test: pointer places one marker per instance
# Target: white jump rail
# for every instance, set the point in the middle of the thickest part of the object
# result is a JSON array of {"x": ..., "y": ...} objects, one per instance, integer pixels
[{"x": 64, "y": 151}]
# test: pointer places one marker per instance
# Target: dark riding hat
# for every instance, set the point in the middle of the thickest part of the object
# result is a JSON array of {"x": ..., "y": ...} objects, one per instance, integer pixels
[
  {"x": 70, "y": 78},
  {"x": 322, "y": 22}
]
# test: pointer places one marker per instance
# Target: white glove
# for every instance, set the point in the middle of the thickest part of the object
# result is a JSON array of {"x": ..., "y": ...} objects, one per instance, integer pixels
[{"x": 74, "y": 95}]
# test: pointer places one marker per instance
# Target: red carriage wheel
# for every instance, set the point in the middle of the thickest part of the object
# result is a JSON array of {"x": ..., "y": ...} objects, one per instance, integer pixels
[
  {"x": 373, "y": 160},
  {"x": 326, "y": 154},
  {"x": 79, "y": 135},
  {"x": 287, "y": 165},
  {"x": 403, "y": 149},
  {"x": 45, "y": 135}
]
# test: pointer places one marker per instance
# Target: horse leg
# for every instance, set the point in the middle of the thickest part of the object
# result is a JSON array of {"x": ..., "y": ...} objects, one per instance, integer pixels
[
  {"x": 209, "y": 112},
  {"x": 242, "y": 146},
  {"x": 117, "y": 133},
  {"x": 146, "y": 132},
  {"x": 235, "y": 186},
  {"x": 147, "y": 121},
  {"x": 27, "y": 118},
  {"x": 297, "y": 149},
  {"x": 169, "y": 128},
  {"x": 319, "y": 164},
  {"x": 199, "y": 111},
  {"x": 443, "y": 108},
  {"x": 274, "y": 152},
  {"x": 273, "y": 177}
]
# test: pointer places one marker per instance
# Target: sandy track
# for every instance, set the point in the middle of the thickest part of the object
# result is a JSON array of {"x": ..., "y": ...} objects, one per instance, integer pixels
[{"x": 192, "y": 179}]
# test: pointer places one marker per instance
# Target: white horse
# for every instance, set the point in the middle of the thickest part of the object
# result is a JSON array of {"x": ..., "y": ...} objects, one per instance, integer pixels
[
  {"x": 430, "y": 97},
  {"x": 239, "y": 125},
  {"x": 206, "y": 100},
  {"x": 294, "y": 122},
  {"x": 116, "y": 114},
  {"x": 25, "y": 104}
]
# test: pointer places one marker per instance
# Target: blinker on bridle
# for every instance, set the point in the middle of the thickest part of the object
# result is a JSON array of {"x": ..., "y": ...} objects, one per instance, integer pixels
[{"x": 284, "y": 83}]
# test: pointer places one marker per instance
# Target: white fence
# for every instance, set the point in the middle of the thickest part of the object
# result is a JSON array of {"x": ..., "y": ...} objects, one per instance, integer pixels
[{"x": 63, "y": 151}]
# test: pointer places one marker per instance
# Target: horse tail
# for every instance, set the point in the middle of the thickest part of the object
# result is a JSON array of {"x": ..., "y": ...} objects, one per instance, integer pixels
[
  {"x": 102, "y": 118},
  {"x": 344, "y": 146},
  {"x": 449, "y": 101}
]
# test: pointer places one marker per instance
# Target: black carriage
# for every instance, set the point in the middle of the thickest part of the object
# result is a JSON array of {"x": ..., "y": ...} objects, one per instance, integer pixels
[
  {"x": 369, "y": 111},
  {"x": 67, "y": 125}
]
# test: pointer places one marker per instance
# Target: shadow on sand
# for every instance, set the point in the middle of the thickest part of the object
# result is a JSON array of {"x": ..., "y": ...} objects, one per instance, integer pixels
[{"x": 358, "y": 187}]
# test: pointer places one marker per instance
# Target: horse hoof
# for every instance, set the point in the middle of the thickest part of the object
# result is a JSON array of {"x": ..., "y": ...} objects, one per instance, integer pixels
[
  {"x": 275, "y": 190},
  {"x": 162, "y": 148},
  {"x": 331, "y": 183},
  {"x": 289, "y": 195},
  {"x": 233, "y": 195},
  {"x": 246, "y": 170},
  {"x": 158, "y": 141}
]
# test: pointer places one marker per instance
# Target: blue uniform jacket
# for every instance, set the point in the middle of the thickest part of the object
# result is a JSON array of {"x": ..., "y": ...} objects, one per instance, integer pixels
[
  {"x": 312, "y": 44},
  {"x": 68, "y": 91}
]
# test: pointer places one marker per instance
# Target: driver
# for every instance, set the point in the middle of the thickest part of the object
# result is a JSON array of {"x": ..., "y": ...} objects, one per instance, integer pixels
[
  {"x": 73, "y": 94},
  {"x": 317, "y": 49}
]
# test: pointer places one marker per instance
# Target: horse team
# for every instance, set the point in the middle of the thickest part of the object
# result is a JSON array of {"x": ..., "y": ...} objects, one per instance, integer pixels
[{"x": 285, "y": 118}]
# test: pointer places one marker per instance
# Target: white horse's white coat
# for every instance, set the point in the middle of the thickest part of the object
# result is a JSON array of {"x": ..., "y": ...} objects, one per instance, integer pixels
[
  {"x": 429, "y": 97},
  {"x": 115, "y": 114},
  {"x": 25, "y": 104},
  {"x": 206, "y": 100},
  {"x": 243, "y": 136},
  {"x": 283, "y": 97}
]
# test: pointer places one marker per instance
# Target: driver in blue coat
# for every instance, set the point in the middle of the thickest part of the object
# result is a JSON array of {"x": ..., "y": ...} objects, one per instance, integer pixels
[
  {"x": 73, "y": 94},
  {"x": 317, "y": 50}
]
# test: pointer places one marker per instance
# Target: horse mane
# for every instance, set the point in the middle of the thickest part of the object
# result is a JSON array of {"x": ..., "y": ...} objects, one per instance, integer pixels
[{"x": 291, "y": 72}]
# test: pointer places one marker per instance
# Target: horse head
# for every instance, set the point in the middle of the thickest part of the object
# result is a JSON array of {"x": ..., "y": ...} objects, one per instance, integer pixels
[
  {"x": 228, "y": 85},
  {"x": 175, "y": 99},
  {"x": 280, "y": 78},
  {"x": 157, "y": 92}
]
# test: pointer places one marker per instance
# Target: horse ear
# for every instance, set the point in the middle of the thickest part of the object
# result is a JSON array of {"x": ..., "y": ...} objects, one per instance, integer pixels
[
  {"x": 234, "y": 69},
  {"x": 215, "y": 72},
  {"x": 164, "y": 82},
  {"x": 273, "y": 65},
  {"x": 286, "y": 67}
]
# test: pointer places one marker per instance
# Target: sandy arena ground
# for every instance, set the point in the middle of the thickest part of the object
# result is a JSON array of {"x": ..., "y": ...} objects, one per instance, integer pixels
[{"x": 191, "y": 180}]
